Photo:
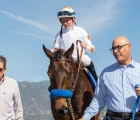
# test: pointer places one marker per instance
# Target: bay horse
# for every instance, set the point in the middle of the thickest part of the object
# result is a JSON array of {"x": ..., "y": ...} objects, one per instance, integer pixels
[{"x": 71, "y": 100}]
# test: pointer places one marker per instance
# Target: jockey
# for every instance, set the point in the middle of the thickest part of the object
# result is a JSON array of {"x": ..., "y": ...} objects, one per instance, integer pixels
[{"x": 69, "y": 34}]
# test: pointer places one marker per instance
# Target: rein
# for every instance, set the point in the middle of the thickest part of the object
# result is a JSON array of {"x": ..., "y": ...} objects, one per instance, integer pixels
[
  {"x": 75, "y": 81},
  {"x": 79, "y": 62},
  {"x": 55, "y": 60}
]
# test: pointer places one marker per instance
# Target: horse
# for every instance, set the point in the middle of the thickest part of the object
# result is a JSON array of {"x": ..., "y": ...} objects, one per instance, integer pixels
[{"x": 62, "y": 72}]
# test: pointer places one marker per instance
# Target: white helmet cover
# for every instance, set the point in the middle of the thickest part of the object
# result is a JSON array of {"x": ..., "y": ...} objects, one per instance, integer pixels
[{"x": 66, "y": 12}]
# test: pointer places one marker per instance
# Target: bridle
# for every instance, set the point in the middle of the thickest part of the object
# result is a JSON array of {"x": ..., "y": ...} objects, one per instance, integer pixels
[
  {"x": 71, "y": 73},
  {"x": 74, "y": 80}
]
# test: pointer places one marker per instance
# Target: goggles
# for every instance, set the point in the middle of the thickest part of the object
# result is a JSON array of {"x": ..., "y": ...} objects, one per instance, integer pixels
[{"x": 65, "y": 13}]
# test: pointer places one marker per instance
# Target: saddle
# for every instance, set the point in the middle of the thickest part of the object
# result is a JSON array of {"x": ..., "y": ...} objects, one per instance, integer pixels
[
  {"x": 91, "y": 78},
  {"x": 87, "y": 72}
]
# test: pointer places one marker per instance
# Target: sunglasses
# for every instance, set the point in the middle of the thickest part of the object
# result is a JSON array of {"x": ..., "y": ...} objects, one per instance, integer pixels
[
  {"x": 64, "y": 13},
  {"x": 1, "y": 69},
  {"x": 117, "y": 47}
]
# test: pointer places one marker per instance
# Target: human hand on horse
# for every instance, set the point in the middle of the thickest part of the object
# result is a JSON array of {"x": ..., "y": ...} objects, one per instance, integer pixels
[
  {"x": 84, "y": 45},
  {"x": 138, "y": 90}
]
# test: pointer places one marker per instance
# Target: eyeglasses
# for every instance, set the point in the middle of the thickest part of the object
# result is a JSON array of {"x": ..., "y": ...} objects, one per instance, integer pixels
[
  {"x": 1, "y": 69},
  {"x": 117, "y": 47},
  {"x": 64, "y": 13}
]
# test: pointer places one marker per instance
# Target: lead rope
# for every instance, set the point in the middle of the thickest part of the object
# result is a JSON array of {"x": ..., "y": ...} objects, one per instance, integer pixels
[
  {"x": 70, "y": 108},
  {"x": 136, "y": 105}
]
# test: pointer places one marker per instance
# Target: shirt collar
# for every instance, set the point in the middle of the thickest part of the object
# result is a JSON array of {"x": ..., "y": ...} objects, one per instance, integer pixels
[
  {"x": 131, "y": 64},
  {"x": 2, "y": 80}
]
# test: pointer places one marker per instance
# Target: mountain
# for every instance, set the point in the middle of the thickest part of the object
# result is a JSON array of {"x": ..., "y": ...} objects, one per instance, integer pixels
[{"x": 36, "y": 101}]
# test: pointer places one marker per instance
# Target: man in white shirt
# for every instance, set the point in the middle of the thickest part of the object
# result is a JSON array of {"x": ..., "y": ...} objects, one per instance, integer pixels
[{"x": 10, "y": 101}]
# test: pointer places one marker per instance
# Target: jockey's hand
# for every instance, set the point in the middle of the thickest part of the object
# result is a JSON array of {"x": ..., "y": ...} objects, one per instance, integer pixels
[
  {"x": 55, "y": 49},
  {"x": 84, "y": 45},
  {"x": 138, "y": 90},
  {"x": 81, "y": 119}
]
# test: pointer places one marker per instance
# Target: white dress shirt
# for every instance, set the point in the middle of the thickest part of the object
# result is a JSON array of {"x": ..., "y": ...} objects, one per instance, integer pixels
[{"x": 10, "y": 101}]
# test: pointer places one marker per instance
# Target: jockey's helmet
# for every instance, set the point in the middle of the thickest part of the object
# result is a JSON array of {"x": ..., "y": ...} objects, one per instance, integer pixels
[{"x": 67, "y": 12}]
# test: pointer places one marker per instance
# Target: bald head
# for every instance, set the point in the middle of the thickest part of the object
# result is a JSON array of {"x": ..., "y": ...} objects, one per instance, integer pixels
[
  {"x": 120, "y": 40},
  {"x": 121, "y": 50}
]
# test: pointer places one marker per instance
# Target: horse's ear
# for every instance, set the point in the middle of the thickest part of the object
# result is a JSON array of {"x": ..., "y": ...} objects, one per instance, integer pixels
[
  {"x": 69, "y": 52},
  {"x": 47, "y": 52}
]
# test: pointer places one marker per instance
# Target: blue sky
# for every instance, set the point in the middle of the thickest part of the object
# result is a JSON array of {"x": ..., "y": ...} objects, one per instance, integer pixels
[{"x": 25, "y": 25}]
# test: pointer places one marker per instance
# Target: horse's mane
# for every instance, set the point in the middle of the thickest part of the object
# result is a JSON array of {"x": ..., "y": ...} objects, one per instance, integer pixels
[{"x": 59, "y": 54}]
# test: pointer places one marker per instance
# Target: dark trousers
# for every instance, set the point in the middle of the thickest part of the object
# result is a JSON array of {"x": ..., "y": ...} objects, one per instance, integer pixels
[
  {"x": 92, "y": 70},
  {"x": 112, "y": 116},
  {"x": 108, "y": 117}
]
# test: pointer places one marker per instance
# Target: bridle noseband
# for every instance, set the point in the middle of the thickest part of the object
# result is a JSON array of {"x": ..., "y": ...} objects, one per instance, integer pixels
[{"x": 74, "y": 80}]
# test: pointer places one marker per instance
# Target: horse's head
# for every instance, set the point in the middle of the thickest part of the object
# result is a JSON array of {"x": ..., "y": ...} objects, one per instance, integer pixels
[{"x": 60, "y": 72}]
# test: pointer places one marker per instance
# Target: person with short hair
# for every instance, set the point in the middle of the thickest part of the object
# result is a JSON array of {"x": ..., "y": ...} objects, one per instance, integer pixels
[
  {"x": 10, "y": 101},
  {"x": 116, "y": 85}
]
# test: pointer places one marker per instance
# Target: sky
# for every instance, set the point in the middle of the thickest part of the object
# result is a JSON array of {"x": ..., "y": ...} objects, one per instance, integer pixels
[{"x": 25, "y": 25}]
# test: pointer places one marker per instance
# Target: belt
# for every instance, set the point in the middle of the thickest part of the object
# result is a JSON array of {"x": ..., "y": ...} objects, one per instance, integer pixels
[{"x": 122, "y": 115}]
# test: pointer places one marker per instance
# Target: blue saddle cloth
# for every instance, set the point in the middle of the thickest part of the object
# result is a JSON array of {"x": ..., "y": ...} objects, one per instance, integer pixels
[{"x": 91, "y": 78}]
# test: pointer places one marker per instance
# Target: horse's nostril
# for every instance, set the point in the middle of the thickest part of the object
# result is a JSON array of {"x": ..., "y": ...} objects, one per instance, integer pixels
[
  {"x": 62, "y": 111},
  {"x": 65, "y": 110}
]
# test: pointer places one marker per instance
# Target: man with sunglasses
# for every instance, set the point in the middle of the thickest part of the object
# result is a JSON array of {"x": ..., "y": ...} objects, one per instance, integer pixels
[
  {"x": 116, "y": 85},
  {"x": 10, "y": 101},
  {"x": 69, "y": 34}
]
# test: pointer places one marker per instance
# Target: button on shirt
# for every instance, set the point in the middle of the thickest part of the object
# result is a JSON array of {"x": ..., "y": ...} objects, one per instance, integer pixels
[
  {"x": 115, "y": 89},
  {"x": 10, "y": 101}
]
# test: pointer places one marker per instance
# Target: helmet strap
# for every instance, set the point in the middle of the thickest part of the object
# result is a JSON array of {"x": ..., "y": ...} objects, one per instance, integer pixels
[
  {"x": 74, "y": 20},
  {"x": 61, "y": 32}
]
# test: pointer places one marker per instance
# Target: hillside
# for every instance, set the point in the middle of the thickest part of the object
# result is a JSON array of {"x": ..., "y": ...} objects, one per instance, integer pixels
[{"x": 36, "y": 100}]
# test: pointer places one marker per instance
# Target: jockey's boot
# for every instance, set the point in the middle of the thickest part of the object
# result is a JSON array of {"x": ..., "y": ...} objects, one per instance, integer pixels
[{"x": 92, "y": 70}]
